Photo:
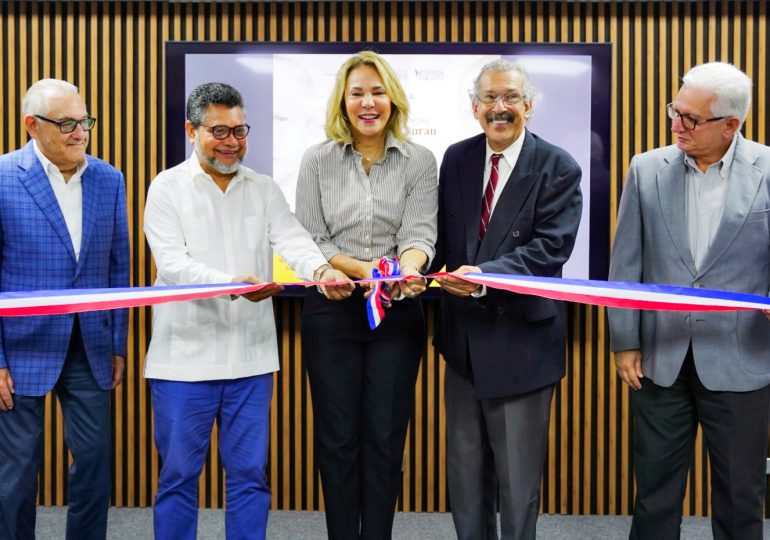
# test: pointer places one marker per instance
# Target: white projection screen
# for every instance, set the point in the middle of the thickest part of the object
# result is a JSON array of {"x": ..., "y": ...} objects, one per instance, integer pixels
[{"x": 286, "y": 88}]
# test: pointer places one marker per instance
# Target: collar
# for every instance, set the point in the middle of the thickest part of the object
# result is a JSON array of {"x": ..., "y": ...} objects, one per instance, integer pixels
[
  {"x": 50, "y": 168},
  {"x": 511, "y": 153},
  {"x": 724, "y": 164},
  {"x": 390, "y": 142}
]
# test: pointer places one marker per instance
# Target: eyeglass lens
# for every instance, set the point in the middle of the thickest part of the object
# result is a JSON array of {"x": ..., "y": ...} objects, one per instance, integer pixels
[
  {"x": 68, "y": 126},
  {"x": 222, "y": 132},
  {"x": 688, "y": 122},
  {"x": 508, "y": 99}
]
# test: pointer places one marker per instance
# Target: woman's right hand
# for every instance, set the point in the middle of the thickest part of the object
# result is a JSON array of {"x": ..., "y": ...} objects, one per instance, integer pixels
[{"x": 336, "y": 292}]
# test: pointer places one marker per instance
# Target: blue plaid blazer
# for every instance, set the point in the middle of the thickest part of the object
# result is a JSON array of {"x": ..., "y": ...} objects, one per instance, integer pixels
[{"x": 36, "y": 253}]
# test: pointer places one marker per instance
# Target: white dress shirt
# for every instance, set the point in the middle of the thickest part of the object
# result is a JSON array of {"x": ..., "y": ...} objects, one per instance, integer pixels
[
  {"x": 705, "y": 202},
  {"x": 504, "y": 169},
  {"x": 68, "y": 194},
  {"x": 198, "y": 234}
]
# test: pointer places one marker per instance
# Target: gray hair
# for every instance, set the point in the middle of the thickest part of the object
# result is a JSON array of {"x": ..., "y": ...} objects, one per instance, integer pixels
[
  {"x": 730, "y": 85},
  {"x": 211, "y": 93},
  {"x": 502, "y": 65},
  {"x": 36, "y": 99}
]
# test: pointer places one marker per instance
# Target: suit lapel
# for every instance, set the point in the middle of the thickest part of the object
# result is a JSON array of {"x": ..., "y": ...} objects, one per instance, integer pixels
[
  {"x": 511, "y": 199},
  {"x": 671, "y": 195},
  {"x": 744, "y": 181},
  {"x": 471, "y": 176},
  {"x": 39, "y": 188},
  {"x": 90, "y": 204}
]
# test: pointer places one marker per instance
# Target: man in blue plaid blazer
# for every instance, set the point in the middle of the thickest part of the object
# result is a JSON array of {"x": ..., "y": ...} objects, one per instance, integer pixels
[{"x": 62, "y": 226}]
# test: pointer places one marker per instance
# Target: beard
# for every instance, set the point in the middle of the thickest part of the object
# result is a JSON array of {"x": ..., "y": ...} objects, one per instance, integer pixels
[{"x": 215, "y": 163}]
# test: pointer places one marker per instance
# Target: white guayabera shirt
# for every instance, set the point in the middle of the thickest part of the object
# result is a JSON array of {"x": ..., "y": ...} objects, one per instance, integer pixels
[{"x": 198, "y": 234}]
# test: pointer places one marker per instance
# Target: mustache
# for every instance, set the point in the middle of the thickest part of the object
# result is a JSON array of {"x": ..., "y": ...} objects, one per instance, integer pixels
[{"x": 494, "y": 117}]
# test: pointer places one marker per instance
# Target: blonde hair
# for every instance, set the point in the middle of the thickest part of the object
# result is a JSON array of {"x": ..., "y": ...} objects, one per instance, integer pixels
[{"x": 337, "y": 122}]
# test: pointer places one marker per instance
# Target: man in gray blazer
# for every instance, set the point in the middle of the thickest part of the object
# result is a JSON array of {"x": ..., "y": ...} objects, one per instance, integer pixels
[{"x": 695, "y": 214}]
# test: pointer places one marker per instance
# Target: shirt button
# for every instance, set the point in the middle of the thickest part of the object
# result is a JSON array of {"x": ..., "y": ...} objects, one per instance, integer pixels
[
  {"x": 368, "y": 198},
  {"x": 696, "y": 285},
  {"x": 687, "y": 319},
  {"x": 366, "y": 250}
]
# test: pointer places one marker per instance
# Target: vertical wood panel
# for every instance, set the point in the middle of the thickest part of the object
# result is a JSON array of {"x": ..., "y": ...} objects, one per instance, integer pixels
[{"x": 114, "y": 53}]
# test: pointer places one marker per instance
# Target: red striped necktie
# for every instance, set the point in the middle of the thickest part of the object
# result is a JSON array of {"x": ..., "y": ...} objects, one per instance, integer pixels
[{"x": 489, "y": 195}]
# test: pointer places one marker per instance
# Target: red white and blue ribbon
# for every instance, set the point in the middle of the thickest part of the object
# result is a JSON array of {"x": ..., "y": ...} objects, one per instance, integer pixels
[
  {"x": 57, "y": 302},
  {"x": 600, "y": 293},
  {"x": 381, "y": 297},
  {"x": 623, "y": 295}
]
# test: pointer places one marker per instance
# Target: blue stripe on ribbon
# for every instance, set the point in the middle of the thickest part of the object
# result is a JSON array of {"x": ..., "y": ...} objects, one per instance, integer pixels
[{"x": 712, "y": 294}]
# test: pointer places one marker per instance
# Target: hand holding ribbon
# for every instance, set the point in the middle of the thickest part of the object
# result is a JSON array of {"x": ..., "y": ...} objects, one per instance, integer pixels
[
  {"x": 454, "y": 284},
  {"x": 334, "y": 284},
  {"x": 413, "y": 283},
  {"x": 269, "y": 289}
]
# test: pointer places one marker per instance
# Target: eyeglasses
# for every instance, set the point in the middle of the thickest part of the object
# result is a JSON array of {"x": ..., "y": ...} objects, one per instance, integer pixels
[
  {"x": 688, "y": 122},
  {"x": 223, "y": 132},
  {"x": 68, "y": 125},
  {"x": 508, "y": 98}
]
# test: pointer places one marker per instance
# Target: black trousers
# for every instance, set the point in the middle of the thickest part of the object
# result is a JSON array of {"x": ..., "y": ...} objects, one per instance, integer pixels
[
  {"x": 362, "y": 384},
  {"x": 735, "y": 428}
]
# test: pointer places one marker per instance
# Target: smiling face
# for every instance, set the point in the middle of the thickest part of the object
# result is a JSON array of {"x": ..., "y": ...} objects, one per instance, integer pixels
[
  {"x": 367, "y": 104},
  {"x": 502, "y": 123},
  {"x": 65, "y": 150},
  {"x": 218, "y": 157}
]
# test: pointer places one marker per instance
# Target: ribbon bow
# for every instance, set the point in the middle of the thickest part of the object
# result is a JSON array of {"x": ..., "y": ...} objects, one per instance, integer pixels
[{"x": 381, "y": 295}]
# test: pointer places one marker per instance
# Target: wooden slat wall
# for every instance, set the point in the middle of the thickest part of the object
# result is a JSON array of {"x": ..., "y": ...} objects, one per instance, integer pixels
[{"x": 114, "y": 52}]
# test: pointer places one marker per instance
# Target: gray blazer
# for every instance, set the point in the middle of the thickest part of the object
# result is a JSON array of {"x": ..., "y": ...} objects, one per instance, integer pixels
[{"x": 731, "y": 349}]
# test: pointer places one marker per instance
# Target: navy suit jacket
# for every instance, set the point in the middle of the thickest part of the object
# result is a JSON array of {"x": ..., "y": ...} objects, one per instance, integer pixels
[
  {"x": 36, "y": 253},
  {"x": 512, "y": 343}
]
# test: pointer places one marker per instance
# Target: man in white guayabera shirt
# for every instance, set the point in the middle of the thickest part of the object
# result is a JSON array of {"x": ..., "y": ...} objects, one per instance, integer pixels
[
  {"x": 212, "y": 220},
  {"x": 695, "y": 214}
]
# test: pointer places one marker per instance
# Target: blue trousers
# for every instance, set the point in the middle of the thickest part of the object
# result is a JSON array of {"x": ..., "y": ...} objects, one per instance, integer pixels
[
  {"x": 184, "y": 414},
  {"x": 86, "y": 410}
]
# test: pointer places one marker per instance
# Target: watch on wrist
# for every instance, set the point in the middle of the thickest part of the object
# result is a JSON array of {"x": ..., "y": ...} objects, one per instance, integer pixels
[{"x": 319, "y": 272}]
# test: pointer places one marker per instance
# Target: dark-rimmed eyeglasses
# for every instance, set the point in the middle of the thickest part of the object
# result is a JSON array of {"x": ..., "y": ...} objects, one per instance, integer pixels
[
  {"x": 508, "y": 98},
  {"x": 688, "y": 122},
  {"x": 68, "y": 125},
  {"x": 222, "y": 132}
]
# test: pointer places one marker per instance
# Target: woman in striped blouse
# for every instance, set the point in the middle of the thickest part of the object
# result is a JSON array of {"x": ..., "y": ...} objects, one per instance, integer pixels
[{"x": 365, "y": 193}]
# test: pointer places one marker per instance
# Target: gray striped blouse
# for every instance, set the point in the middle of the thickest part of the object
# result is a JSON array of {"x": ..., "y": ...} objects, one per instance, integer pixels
[{"x": 369, "y": 216}]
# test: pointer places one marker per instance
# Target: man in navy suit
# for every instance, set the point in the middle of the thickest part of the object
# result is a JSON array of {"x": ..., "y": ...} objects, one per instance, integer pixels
[
  {"x": 509, "y": 203},
  {"x": 62, "y": 226}
]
